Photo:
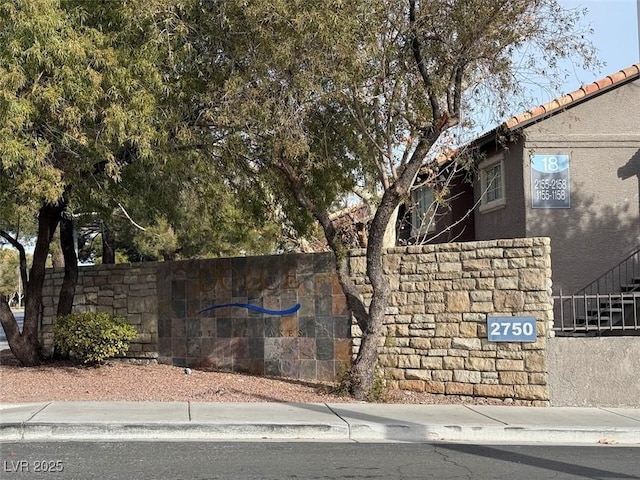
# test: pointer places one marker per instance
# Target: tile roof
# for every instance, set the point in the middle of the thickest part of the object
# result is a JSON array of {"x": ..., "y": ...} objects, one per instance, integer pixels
[
  {"x": 540, "y": 112},
  {"x": 360, "y": 212},
  {"x": 564, "y": 101}
]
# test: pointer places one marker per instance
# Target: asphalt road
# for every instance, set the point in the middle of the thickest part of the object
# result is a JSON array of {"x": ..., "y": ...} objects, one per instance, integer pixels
[
  {"x": 19, "y": 318},
  {"x": 3, "y": 338},
  {"x": 271, "y": 460}
]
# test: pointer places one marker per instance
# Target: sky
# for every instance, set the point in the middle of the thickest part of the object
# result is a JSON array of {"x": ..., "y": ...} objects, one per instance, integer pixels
[
  {"x": 616, "y": 38},
  {"x": 615, "y": 25}
]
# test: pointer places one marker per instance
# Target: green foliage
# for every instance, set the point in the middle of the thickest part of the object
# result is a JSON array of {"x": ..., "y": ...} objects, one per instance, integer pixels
[
  {"x": 378, "y": 389},
  {"x": 70, "y": 99},
  {"x": 9, "y": 273},
  {"x": 345, "y": 384},
  {"x": 211, "y": 123},
  {"x": 93, "y": 337},
  {"x": 320, "y": 100},
  {"x": 102, "y": 96},
  {"x": 337, "y": 97}
]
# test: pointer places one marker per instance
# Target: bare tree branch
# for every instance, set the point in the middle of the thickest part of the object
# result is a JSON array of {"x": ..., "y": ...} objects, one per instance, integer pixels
[{"x": 417, "y": 53}]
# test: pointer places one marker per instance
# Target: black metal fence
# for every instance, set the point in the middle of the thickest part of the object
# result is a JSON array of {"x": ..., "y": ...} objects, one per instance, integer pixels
[
  {"x": 599, "y": 314},
  {"x": 608, "y": 306}
]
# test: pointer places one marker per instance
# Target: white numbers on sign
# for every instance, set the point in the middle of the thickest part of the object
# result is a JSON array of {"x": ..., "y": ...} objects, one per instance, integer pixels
[
  {"x": 551, "y": 164},
  {"x": 550, "y": 183},
  {"x": 499, "y": 329}
]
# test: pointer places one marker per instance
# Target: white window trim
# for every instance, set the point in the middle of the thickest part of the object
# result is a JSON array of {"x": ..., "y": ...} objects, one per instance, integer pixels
[
  {"x": 485, "y": 206},
  {"x": 417, "y": 225}
]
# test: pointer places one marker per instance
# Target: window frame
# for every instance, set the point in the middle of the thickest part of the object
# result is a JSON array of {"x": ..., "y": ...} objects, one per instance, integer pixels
[
  {"x": 499, "y": 202},
  {"x": 417, "y": 226}
]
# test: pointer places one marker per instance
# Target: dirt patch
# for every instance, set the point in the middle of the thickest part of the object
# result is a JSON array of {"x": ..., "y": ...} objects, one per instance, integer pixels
[{"x": 125, "y": 381}]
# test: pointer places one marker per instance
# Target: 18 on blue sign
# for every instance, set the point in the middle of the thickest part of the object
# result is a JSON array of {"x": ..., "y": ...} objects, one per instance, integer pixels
[
  {"x": 550, "y": 183},
  {"x": 511, "y": 329}
]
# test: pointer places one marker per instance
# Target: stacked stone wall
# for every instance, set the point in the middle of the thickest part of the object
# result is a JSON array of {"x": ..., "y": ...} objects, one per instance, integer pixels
[
  {"x": 436, "y": 323},
  {"x": 127, "y": 290}
]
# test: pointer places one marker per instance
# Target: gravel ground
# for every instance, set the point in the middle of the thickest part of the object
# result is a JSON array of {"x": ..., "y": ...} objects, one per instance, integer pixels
[{"x": 124, "y": 381}]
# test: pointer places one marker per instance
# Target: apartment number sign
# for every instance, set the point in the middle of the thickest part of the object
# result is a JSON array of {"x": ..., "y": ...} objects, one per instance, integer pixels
[
  {"x": 550, "y": 182},
  {"x": 511, "y": 329}
]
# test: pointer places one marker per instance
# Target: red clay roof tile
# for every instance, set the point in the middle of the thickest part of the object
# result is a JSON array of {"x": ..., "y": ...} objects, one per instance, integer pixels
[
  {"x": 591, "y": 88},
  {"x": 572, "y": 97}
]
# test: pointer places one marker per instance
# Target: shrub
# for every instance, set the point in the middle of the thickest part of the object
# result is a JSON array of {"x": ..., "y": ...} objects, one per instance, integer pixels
[
  {"x": 92, "y": 337},
  {"x": 345, "y": 384}
]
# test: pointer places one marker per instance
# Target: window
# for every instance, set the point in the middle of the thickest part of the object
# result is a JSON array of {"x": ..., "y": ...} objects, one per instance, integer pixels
[
  {"x": 422, "y": 218},
  {"x": 492, "y": 185}
]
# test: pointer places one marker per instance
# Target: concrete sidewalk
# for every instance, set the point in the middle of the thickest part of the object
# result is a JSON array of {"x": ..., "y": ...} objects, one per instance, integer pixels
[{"x": 359, "y": 422}]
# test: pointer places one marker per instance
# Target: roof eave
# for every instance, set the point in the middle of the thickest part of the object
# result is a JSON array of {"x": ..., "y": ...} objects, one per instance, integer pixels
[{"x": 519, "y": 122}]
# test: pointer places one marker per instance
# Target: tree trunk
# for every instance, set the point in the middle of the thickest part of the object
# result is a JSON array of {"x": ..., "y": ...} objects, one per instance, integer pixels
[
  {"x": 21, "y": 349},
  {"x": 108, "y": 246},
  {"x": 26, "y": 346},
  {"x": 364, "y": 368},
  {"x": 57, "y": 256},
  {"x": 391, "y": 233},
  {"x": 371, "y": 319},
  {"x": 363, "y": 371},
  {"x": 68, "y": 290}
]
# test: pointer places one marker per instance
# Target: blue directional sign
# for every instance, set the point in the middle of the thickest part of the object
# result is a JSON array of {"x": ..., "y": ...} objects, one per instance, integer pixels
[
  {"x": 511, "y": 329},
  {"x": 550, "y": 183}
]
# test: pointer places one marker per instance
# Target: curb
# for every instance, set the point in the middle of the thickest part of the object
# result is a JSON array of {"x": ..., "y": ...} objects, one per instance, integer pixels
[
  {"x": 174, "y": 431},
  {"x": 316, "y": 432},
  {"x": 491, "y": 434}
]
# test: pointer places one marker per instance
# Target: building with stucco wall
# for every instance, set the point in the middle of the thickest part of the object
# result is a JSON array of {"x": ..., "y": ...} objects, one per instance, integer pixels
[{"x": 568, "y": 170}]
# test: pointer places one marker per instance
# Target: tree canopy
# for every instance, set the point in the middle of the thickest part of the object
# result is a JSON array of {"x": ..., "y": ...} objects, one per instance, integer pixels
[
  {"x": 74, "y": 109},
  {"x": 95, "y": 126},
  {"x": 191, "y": 114},
  {"x": 321, "y": 100}
]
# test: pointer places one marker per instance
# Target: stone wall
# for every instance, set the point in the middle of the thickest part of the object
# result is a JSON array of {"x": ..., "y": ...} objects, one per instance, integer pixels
[
  {"x": 436, "y": 327},
  {"x": 128, "y": 290},
  {"x": 312, "y": 343},
  {"x": 164, "y": 302},
  {"x": 436, "y": 335}
]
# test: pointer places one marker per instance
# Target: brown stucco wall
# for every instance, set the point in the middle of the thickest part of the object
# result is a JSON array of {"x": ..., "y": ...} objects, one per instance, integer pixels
[
  {"x": 602, "y": 227},
  {"x": 594, "y": 371},
  {"x": 508, "y": 221}
]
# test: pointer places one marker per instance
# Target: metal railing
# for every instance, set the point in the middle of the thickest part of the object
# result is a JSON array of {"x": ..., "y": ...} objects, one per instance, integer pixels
[
  {"x": 615, "y": 280},
  {"x": 608, "y": 306},
  {"x": 599, "y": 314}
]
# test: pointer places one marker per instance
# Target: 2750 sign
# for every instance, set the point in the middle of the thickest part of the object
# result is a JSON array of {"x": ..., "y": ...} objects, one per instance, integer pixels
[
  {"x": 550, "y": 184},
  {"x": 511, "y": 329}
]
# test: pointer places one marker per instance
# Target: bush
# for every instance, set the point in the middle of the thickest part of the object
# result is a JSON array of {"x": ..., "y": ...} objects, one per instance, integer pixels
[
  {"x": 345, "y": 384},
  {"x": 92, "y": 337}
]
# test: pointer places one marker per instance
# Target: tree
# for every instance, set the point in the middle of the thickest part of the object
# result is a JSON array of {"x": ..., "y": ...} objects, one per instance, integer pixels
[
  {"x": 202, "y": 217},
  {"x": 74, "y": 109},
  {"x": 95, "y": 100},
  {"x": 316, "y": 100},
  {"x": 179, "y": 206}
]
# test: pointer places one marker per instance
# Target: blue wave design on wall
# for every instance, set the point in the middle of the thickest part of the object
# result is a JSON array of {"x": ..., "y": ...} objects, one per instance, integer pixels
[{"x": 255, "y": 308}]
